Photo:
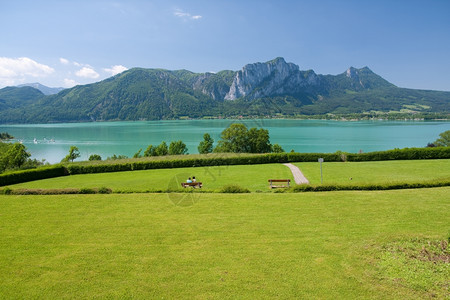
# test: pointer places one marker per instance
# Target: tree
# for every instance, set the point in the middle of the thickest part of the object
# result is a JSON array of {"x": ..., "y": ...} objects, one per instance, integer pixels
[
  {"x": 258, "y": 141},
  {"x": 15, "y": 156},
  {"x": 95, "y": 157},
  {"x": 177, "y": 148},
  {"x": 206, "y": 146},
  {"x": 5, "y": 136},
  {"x": 238, "y": 139},
  {"x": 138, "y": 154},
  {"x": 74, "y": 153},
  {"x": 162, "y": 149},
  {"x": 444, "y": 140},
  {"x": 150, "y": 151},
  {"x": 233, "y": 139},
  {"x": 277, "y": 148}
]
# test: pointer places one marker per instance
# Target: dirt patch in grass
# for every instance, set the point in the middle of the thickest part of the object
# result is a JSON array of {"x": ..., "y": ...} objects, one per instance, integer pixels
[{"x": 420, "y": 264}]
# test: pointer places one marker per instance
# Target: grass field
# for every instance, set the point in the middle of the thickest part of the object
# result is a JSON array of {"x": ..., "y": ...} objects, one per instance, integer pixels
[
  {"x": 253, "y": 177},
  {"x": 331, "y": 245},
  {"x": 376, "y": 172}
]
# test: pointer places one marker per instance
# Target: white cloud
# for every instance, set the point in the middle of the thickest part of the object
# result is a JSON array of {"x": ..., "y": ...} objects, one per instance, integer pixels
[
  {"x": 186, "y": 16},
  {"x": 87, "y": 72},
  {"x": 23, "y": 66},
  {"x": 114, "y": 70},
  {"x": 17, "y": 70},
  {"x": 68, "y": 83},
  {"x": 64, "y": 61}
]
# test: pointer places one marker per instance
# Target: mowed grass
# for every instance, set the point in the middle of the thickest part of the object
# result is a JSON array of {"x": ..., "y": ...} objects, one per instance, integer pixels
[
  {"x": 377, "y": 172},
  {"x": 224, "y": 246},
  {"x": 253, "y": 177}
]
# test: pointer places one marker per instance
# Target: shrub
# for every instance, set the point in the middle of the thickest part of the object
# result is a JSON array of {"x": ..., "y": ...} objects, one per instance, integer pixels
[
  {"x": 104, "y": 190},
  {"x": 87, "y": 191},
  {"x": 407, "y": 153},
  {"x": 32, "y": 174},
  {"x": 95, "y": 157},
  {"x": 233, "y": 188},
  {"x": 369, "y": 187},
  {"x": 6, "y": 191}
]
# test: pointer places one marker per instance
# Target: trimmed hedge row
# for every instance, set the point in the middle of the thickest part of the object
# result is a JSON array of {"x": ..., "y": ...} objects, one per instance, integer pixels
[
  {"x": 72, "y": 169},
  {"x": 397, "y": 154},
  {"x": 402, "y": 154},
  {"x": 102, "y": 190},
  {"x": 32, "y": 174},
  {"x": 202, "y": 162},
  {"x": 369, "y": 187}
]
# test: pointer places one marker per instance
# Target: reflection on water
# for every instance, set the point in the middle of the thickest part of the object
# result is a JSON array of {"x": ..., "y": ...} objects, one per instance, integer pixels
[{"x": 107, "y": 138}]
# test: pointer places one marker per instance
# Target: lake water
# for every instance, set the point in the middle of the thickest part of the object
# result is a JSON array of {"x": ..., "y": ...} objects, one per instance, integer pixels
[{"x": 107, "y": 138}]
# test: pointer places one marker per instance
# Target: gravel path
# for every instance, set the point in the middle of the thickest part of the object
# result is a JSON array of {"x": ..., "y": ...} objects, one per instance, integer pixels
[{"x": 298, "y": 175}]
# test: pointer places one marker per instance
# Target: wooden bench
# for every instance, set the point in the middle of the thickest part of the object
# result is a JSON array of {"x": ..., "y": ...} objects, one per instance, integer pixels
[
  {"x": 279, "y": 183},
  {"x": 192, "y": 184}
]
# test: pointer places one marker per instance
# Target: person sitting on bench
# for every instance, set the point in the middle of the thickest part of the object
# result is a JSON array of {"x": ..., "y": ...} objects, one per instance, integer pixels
[{"x": 189, "y": 180}]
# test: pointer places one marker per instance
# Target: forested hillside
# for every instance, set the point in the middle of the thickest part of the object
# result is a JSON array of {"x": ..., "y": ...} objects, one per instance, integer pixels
[{"x": 273, "y": 88}]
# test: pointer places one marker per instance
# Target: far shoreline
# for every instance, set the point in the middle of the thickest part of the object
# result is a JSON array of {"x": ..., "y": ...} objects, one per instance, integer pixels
[{"x": 328, "y": 117}]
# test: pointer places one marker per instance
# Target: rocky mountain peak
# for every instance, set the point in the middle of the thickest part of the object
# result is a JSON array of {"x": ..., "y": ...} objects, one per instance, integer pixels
[
  {"x": 352, "y": 73},
  {"x": 274, "y": 77}
]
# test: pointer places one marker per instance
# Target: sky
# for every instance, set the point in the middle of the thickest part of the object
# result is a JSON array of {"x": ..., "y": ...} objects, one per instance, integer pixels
[{"x": 62, "y": 43}]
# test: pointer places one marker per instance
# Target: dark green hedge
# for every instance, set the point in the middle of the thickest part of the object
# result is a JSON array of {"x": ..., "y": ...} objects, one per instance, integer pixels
[
  {"x": 397, "y": 154},
  {"x": 402, "y": 154},
  {"x": 32, "y": 174},
  {"x": 181, "y": 163},
  {"x": 369, "y": 187},
  {"x": 58, "y": 170},
  {"x": 102, "y": 190}
]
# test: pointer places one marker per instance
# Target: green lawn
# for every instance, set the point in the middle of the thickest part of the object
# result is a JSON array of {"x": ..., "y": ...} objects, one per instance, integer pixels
[
  {"x": 224, "y": 246},
  {"x": 377, "y": 171},
  {"x": 253, "y": 177}
]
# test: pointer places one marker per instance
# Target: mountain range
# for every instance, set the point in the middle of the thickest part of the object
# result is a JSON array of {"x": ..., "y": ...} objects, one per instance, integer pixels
[
  {"x": 273, "y": 88},
  {"x": 44, "y": 89}
]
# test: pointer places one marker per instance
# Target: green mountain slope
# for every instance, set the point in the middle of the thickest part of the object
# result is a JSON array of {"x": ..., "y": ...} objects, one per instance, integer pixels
[
  {"x": 13, "y": 97},
  {"x": 264, "y": 89}
]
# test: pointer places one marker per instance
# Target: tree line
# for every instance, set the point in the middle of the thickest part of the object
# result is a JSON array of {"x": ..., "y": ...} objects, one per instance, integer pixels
[
  {"x": 237, "y": 138},
  {"x": 15, "y": 155}
]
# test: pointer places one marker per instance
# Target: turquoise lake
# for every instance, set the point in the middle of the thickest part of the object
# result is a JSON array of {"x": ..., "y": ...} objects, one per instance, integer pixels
[{"x": 107, "y": 138}]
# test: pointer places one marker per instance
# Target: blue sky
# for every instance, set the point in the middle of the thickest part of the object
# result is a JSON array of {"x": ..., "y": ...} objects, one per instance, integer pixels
[{"x": 63, "y": 43}]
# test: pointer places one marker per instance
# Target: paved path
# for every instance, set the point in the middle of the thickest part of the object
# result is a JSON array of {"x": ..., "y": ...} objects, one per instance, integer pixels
[{"x": 298, "y": 175}]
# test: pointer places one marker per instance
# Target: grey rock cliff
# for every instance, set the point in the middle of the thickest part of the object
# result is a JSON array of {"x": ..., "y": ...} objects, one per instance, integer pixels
[{"x": 275, "y": 77}]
